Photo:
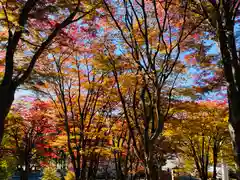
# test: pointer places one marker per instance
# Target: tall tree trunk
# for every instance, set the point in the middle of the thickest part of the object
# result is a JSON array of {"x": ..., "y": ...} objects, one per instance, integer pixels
[
  {"x": 234, "y": 111},
  {"x": 77, "y": 173},
  {"x": 83, "y": 168},
  {"x": 6, "y": 100},
  {"x": 118, "y": 168},
  {"x": 215, "y": 156},
  {"x": 24, "y": 175},
  {"x": 204, "y": 177},
  {"x": 234, "y": 122},
  {"x": 150, "y": 170},
  {"x": 231, "y": 68}
]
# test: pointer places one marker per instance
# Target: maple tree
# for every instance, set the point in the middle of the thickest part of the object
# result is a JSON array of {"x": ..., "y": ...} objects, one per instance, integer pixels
[
  {"x": 113, "y": 84},
  {"x": 82, "y": 106},
  {"x": 30, "y": 24},
  {"x": 82, "y": 94},
  {"x": 146, "y": 70},
  {"x": 28, "y": 133}
]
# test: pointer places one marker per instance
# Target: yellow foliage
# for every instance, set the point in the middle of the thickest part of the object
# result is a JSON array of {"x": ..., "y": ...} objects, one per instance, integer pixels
[
  {"x": 70, "y": 176},
  {"x": 198, "y": 126}
]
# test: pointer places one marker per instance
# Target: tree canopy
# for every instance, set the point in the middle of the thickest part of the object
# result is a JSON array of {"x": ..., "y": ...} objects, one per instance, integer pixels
[{"x": 118, "y": 88}]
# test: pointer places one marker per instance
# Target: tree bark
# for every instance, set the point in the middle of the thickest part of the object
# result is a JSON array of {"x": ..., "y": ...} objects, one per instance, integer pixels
[
  {"x": 6, "y": 100},
  {"x": 150, "y": 170},
  {"x": 235, "y": 134},
  {"x": 215, "y": 157},
  {"x": 24, "y": 175},
  {"x": 230, "y": 71},
  {"x": 231, "y": 67},
  {"x": 77, "y": 174}
]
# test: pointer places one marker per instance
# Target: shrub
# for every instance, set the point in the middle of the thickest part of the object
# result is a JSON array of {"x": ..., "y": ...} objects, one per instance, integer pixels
[{"x": 50, "y": 173}]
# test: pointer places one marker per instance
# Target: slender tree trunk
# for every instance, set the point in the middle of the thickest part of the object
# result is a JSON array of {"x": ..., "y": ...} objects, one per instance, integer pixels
[
  {"x": 77, "y": 173},
  {"x": 215, "y": 158},
  {"x": 150, "y": 170},
  {"x": 215, "y": 167},
  {"x": 24, "y": 173},
  {"x": 93, "y": 167},
  {"x": 83, "y": 169},
  {"x": 119, "y": 173},
  {"x": 204, "y": 177},
  {"x": 6, "y": 100}
]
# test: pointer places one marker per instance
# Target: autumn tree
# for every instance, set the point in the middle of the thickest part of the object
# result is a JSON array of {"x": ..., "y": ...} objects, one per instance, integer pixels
[
  {"x": 82, "y": 102},
  {"x": 28, "y": 28},
  {"x": 145, "y": 65},
  {"x": 221, "y": 19},
  {"x": 201, "y": 131},
  {"x": 29, "y": 131},
  {"x": 127, "y": 164}
]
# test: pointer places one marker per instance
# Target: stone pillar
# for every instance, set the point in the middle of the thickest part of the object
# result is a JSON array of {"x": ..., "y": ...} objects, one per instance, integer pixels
[{"x": 225, "y": 175}]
